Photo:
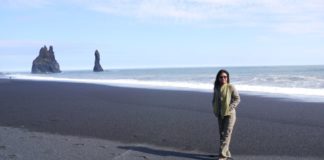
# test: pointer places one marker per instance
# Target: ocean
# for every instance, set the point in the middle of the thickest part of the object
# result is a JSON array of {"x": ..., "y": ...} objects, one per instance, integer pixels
[{"x": 304, "y": 83}]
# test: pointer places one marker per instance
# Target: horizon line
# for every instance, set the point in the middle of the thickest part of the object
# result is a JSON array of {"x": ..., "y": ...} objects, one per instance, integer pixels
[{"x": 174, "y": 67}]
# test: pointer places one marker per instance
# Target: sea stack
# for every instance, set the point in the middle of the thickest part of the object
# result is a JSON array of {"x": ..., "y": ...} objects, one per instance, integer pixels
[
  {"x": 45, "y": 62},
  {"x": 97, "y": 67}
]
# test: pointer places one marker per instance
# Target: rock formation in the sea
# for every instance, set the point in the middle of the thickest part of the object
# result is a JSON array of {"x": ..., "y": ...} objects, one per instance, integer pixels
[
  {"x": 45, "y": 62},
  {"x": 97, "y": 67}
]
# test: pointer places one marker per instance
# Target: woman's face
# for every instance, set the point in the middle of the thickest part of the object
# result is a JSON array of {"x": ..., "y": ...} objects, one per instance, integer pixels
[{"x": 223, "y": 78}]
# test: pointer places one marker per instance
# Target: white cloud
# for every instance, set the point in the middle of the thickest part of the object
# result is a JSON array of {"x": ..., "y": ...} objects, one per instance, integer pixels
[
  {"x": 288, "y": 16},
  {"x": 167, "y": 9},
  {"x": 145, "y": 9},
  {"x": 282, "y": 15}
]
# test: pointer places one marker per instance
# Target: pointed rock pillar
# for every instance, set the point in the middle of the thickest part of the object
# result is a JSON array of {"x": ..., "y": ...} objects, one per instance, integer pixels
[
  {"x": 97, "y": 67},
  {"x": 45, "y": 62}
]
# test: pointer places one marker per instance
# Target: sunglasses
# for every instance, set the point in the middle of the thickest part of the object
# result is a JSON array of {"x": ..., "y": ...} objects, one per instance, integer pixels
[{"x": 223, "y": 77}]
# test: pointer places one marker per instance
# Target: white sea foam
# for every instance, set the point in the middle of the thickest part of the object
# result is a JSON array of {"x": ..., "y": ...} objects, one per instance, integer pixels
[
  {"x": 124, "y": 82},
  {"x": 282, "y": 90},
  {"x": 177, "y": 85},
  {"x": 297, "y": 82}
]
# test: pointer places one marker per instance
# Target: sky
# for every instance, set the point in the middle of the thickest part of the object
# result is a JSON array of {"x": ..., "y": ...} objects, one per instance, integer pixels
[{"x": 162, "y": 33}]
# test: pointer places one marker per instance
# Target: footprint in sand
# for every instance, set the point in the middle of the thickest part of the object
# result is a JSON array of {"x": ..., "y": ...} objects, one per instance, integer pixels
[
  {"x": 12, "y": 156},
  {"x": 103, "y": 147},
  {"x": 3, "y": 147},
  {"x": 78, "y": 144}
]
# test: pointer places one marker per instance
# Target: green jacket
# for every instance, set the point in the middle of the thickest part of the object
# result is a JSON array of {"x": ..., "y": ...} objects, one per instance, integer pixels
[{"x": 226, "y": 96}]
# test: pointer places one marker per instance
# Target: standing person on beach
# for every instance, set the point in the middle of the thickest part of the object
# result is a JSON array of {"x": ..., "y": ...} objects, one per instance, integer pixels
[{"x": 225, "y": 101}]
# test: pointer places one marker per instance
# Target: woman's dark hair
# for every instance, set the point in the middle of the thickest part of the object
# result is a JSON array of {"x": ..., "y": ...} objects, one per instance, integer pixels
[{"x": 217, "y": 83}]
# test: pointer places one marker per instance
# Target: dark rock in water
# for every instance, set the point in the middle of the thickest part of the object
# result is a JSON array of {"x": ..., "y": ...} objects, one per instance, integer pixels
[
  {"x": 97, "y": 67},
  {"x": 45, "y": 62}
]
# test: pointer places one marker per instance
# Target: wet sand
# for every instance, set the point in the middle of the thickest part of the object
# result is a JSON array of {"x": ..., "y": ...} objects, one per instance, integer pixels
[{"x": 178, "y": 120}]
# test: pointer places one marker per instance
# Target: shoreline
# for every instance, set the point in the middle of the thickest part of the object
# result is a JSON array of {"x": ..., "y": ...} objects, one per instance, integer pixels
[
  {"x": 177, "y": 119},
  {"x": 262, "y": 94}
]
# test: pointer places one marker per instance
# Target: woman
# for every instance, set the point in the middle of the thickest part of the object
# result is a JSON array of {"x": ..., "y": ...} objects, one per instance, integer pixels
[{"x": 225, "y": 101}]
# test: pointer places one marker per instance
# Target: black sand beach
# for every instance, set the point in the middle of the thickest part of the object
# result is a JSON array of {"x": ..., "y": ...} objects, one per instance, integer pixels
[{"x": 179, "y": 119}]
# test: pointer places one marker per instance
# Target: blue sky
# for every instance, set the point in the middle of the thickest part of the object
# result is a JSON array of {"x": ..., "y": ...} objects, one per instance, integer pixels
[{"x": 162, "y": 33}]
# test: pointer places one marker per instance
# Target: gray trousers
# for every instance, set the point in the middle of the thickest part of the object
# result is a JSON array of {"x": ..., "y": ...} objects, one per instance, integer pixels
[{"x": 226, "y": 126}]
